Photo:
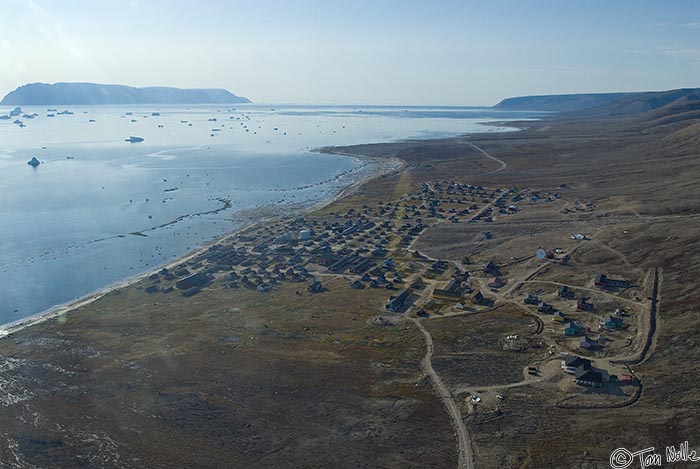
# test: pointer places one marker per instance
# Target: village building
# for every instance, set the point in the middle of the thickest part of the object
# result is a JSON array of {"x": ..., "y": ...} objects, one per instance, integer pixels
[
  {"x": 583, "y": 305},
  {"x": 566, "y": 293},
  {"x": 400, "y": 302},
  {"x": 589, "y": 377},
  {"x": 479, "y": 298},
  {"x": 627, "y": 379},
  {"x": 443, "y": 294},
  {"x": 418, "y": 283},
  {"x": 315, "y": 286},
  {"x": 570, "y": 363},
  {"x": 612, "y": 322},
  {"x": 602, "y": 281},
  {"x": 587, "y": 343},
  {"x": 199, "y": 279},
  {"x": 573, "y": 329},
  {"x": 496, "y": 282},
  {"x": 452, "y": 292},
  {"x": 558, "y": 316},
  {"x": 531, "y": 299},
  {"x": 490, "y": 268}
]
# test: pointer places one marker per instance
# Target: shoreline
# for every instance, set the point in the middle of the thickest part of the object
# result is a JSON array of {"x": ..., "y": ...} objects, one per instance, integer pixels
[
  {"x": 385, "y": 165},
  {"x": 389, "y": 163}
]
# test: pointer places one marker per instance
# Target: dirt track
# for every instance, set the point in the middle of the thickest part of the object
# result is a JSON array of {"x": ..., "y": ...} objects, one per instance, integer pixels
[{"x": 466, "y": 458}]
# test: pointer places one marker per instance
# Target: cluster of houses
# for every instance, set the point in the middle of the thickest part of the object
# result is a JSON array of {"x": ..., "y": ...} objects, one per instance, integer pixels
[
  {"x": 572, "y": 328},
  {"x": 356, "y": 243},
  {"x": 538, "y": 195},
  {"x": 459, "y": 292},
  {"x": 455, "y": 289},
  {"x": 455, "y": 201}
]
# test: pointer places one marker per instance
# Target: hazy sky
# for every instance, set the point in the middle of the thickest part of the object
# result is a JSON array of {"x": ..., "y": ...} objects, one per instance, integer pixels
[{"x": 356, "y": 51}]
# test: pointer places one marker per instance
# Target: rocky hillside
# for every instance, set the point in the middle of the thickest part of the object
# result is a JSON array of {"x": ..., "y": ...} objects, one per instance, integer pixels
[{"x": 93, "y": 93}]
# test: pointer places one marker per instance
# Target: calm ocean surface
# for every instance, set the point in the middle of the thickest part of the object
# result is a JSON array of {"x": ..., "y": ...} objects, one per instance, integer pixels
[{"x": 67, "y": 227}]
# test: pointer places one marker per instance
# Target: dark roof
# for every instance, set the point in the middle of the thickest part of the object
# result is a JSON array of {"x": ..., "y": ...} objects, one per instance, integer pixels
[
  {"x": 197, "y": 280},
  {"x": 403, "y": 294},
  {"x": 575, "y": 362},
  {"x": 613, "y": 319},
  {"x": 585, "y": 340},
  {"x": 447, "y": 293},
  {"x": 587, "y": 374},
  {"x": 454, "y": 285}
]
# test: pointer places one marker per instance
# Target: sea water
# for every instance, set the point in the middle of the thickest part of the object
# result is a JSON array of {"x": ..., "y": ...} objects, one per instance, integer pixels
[{"x": 99, "y": 209}]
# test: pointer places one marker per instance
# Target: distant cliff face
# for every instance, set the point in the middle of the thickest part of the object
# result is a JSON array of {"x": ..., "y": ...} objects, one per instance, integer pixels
[{"x": 92, "y": 93}]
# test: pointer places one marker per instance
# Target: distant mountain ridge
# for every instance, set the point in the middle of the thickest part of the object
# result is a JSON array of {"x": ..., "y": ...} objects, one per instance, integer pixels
[
  {"x": 561, "y": 102},
  {"x": 655, "y": 102},
  {"x": 94, "y": 93}
]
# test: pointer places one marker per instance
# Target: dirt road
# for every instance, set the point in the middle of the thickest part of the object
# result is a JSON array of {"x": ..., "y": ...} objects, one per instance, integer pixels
[
  {"x": 487, "y": 155},
  {"x": 466, "y": 458}
]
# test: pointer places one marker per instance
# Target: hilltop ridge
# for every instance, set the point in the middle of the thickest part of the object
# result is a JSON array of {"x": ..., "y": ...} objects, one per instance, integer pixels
[
  {"x": 560, "y": 102},
  {"x": 586, "y": 105},
  {"x": 94, "y": 93}
]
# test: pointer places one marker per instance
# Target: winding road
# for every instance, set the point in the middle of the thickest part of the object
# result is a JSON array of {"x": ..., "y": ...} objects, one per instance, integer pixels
[
  {"x": 488, "y": 155},
  {"x": 466, "y": 457}
]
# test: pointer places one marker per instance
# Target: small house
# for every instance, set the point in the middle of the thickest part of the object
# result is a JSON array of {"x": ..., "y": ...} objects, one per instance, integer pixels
[
  {"x": 199, "y": 279},
  {"x": 602, "y": 281},
  {"x": 479, "y": 298},
  {"x": 589, "y": 377},
  {"x": 565, "y": 292},
  {"x": 558, "y": 316},
  {"x": 315, "y": 286},
  {"x": 496, "y": 282},
  {"x": 400, "y": 302},
  {"x": 418, "y": 283},
  {"x": 583, "y": 305},
  {"x": 612, "y": 322},
  {"x": 446, "y": 295},
  {"x": 587, "y": 343},
  {"x": 531, "y": 299},
  {"x": 571, "y": 362},
  {"x": 572, "y": 330},
  {"x": 627, "y": 379},
  {"x": 490, "y": 268}
]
